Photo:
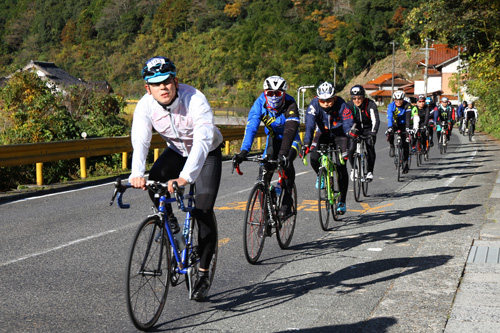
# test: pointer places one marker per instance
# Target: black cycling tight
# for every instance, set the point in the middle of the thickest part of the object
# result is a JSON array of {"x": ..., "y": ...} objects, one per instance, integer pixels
[{"x": 168, "y": 166}]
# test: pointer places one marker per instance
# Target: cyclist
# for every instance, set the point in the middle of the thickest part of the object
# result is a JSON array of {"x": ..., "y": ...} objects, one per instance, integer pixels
[
  {"x": 279, "y": 113},
  {"x": 182, "y": 116},
  {"x": 443, "y": 113},
  {"x": 460, "y": 115},
  {"x": 431, "y": 106},
  {"x": 332, "y": 120},
  {"x": 420, "y": 117},
  {"x": 470, "y": 115},
  {"x": 366, "y": 118},
  {"x": 396, "y": 120}
]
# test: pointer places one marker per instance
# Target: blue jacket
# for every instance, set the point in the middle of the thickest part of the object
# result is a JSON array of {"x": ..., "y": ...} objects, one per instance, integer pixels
[
  {"x": 337, "y": 122},
  {"x": 274, "y": 122},
  {"x": 397, "y": 116},
  {"x": 460, "y": 110}
]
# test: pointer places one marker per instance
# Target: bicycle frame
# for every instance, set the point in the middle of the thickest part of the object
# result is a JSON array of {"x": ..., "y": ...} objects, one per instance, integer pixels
[
  {"x": 181, "y": 257},
  {"x": 326, "y": 162}
]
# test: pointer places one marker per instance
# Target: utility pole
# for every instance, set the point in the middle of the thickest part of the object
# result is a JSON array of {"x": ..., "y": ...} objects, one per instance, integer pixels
[
  {"x": 334, "y": 74},
  {"x": 393, "y": 50},
  {"x": 459, "y": 75},
  {"x": 426, "y": 49}
]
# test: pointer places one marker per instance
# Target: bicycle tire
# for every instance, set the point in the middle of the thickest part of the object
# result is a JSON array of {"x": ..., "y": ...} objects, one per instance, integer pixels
[
  {"x": 284, "y": 232},
  {"x": 356, "y": 184},
  {"x": 194, "y": 256},
  {"x": 323, "y": 201},
  {"x": 146, "y": 287},
  {"x": 400, "y": 161},
  {"x": 470, "y": 130},
  {"x": 364, "y": 167},
  {"x": 255, "y": 224}
]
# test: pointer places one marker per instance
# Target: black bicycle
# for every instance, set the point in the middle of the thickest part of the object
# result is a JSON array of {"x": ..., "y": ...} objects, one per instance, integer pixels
[
  {"x": 398, "y": 152},
  {"x": 262, "y": 218},
  {"x": 360, "y": 182}
]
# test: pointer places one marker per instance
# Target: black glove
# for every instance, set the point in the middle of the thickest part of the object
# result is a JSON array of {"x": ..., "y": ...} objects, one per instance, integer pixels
[
  {"x": 353, "y": 133},
  {"x": 389, "y": 131},
  {"x": 305, "y": 151},
  {"x": 373, "y": 133},
  {"x": 283, "y": 161},
  {"x": 238, "y": 158}
]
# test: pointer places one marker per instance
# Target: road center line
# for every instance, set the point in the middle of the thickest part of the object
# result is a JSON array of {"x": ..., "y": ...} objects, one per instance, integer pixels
[{"x": 57, "y": 248}]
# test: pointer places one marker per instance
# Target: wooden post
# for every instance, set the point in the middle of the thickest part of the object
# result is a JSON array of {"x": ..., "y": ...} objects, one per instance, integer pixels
[
  {"x": 157, "y": 153},
  {"x": 124, "y": 160},
  {"x": 83, "y": 167},
  {"x": 39, "y": 174}
]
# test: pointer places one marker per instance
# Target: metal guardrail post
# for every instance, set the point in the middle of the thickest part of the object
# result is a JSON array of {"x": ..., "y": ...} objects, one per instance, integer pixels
[
  {"x": 83, "y": 167},
  {"x": 156, "y": 153},
  {"x": 39, "y": 174},
  {"x": 124, "y": 160},
  {"x": 226, "y": 148}
]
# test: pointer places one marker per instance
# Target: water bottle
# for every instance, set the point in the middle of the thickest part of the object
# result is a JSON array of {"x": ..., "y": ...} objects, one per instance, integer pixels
[
  {"x": 179, "y": 241},
  {"x": 272, "y": 190},
  {"x": 277, "y": 189}
]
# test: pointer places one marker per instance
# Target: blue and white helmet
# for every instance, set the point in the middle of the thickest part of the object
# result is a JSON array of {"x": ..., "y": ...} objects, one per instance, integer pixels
[
  {"x": 274, "y": 90},
  {"x": 325, "y": 90},
  {"x": 158, "y": 69}
]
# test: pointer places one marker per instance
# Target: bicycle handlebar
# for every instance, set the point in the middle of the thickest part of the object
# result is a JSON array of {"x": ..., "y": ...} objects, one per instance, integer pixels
[{"x": 155, "y": 186}]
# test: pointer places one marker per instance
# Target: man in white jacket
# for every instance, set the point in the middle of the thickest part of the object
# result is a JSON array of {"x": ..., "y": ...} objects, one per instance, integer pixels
[{"x": 182, "y": 116}]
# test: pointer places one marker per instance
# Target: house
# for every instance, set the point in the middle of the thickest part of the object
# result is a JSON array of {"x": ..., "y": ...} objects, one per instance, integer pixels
[
  {"x": 59, "y": 80},
  {"x": 380, "y": 88},
  {"x": 55, "y": 77},
  {"x": 443, "y": 64}
]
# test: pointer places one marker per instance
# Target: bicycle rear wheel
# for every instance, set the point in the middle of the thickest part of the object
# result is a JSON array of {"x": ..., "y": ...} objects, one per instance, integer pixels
[
  {"x": 356, "y": 184},
  {"x": 195, "y": 255},
  {"x": 286, "y": 226},
  {"x": 470, "y": 130},
  {"x": 364, "y": 167},
  {"x": 255, "y": 224},
  {"x": 148, "y": 273},
  {"x": 323, "y": 202}
]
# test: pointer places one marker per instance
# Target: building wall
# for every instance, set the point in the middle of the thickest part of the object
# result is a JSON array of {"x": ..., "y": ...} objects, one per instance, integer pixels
[{"x": 433, "y": 84}]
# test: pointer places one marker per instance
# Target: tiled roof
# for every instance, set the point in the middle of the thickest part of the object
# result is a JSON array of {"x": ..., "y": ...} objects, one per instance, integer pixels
[
  {"x": 54, "y": 73},
  {"x": 382, "y": 78},
  {"x": 440, "y": 54}
]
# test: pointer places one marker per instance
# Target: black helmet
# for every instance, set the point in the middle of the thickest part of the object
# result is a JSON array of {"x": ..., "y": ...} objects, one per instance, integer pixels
[{"x": 358, "y": 90}]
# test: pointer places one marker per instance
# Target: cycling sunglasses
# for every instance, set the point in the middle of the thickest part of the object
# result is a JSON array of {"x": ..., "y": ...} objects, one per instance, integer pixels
[{"x": 274, "y": 93}]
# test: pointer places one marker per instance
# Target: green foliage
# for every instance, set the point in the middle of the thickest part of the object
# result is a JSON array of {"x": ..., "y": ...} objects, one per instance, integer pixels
[{"x": 215, "y": 43}]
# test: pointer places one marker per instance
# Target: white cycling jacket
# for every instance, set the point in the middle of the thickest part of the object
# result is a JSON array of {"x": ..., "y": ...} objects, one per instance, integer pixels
[{"x": 187, "y": 125}]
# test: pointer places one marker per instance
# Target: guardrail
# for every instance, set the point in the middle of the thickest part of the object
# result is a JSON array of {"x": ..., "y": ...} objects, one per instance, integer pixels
[{"x": 38, "y": 153}]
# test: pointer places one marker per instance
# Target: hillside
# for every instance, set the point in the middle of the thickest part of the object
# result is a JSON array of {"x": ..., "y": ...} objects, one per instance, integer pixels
[{"x": 405, "y": 64}]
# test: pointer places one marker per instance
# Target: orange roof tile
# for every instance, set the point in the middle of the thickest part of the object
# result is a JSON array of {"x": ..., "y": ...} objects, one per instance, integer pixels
[
  {"x": 440, "y": 54},
  {"x": 382, "y": 78}
]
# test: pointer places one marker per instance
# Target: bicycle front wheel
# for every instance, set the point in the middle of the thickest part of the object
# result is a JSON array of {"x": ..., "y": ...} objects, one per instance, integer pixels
[
  {"x": 400, "y": 161},
  {"x": 286, "y": 226},
  {"x": 470, "y": 131},
  {"x": 254, "y": 227},
  {"x": 324, "y": 205},
  {"x": 364, "y": 167},
  {"x": 356, "y": 184},
  {"x": 148, "y": 273}
]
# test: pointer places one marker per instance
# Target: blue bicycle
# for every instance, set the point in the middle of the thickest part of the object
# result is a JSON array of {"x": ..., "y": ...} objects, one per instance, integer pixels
[{"x": 157, "y": 258}]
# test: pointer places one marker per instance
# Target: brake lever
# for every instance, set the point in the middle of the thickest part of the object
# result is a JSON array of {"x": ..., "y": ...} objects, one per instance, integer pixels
[{"x": 118, "y": 193}]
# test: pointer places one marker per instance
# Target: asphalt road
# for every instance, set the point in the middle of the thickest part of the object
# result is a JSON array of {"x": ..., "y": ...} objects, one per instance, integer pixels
[{"x": 392, "y": 264}]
